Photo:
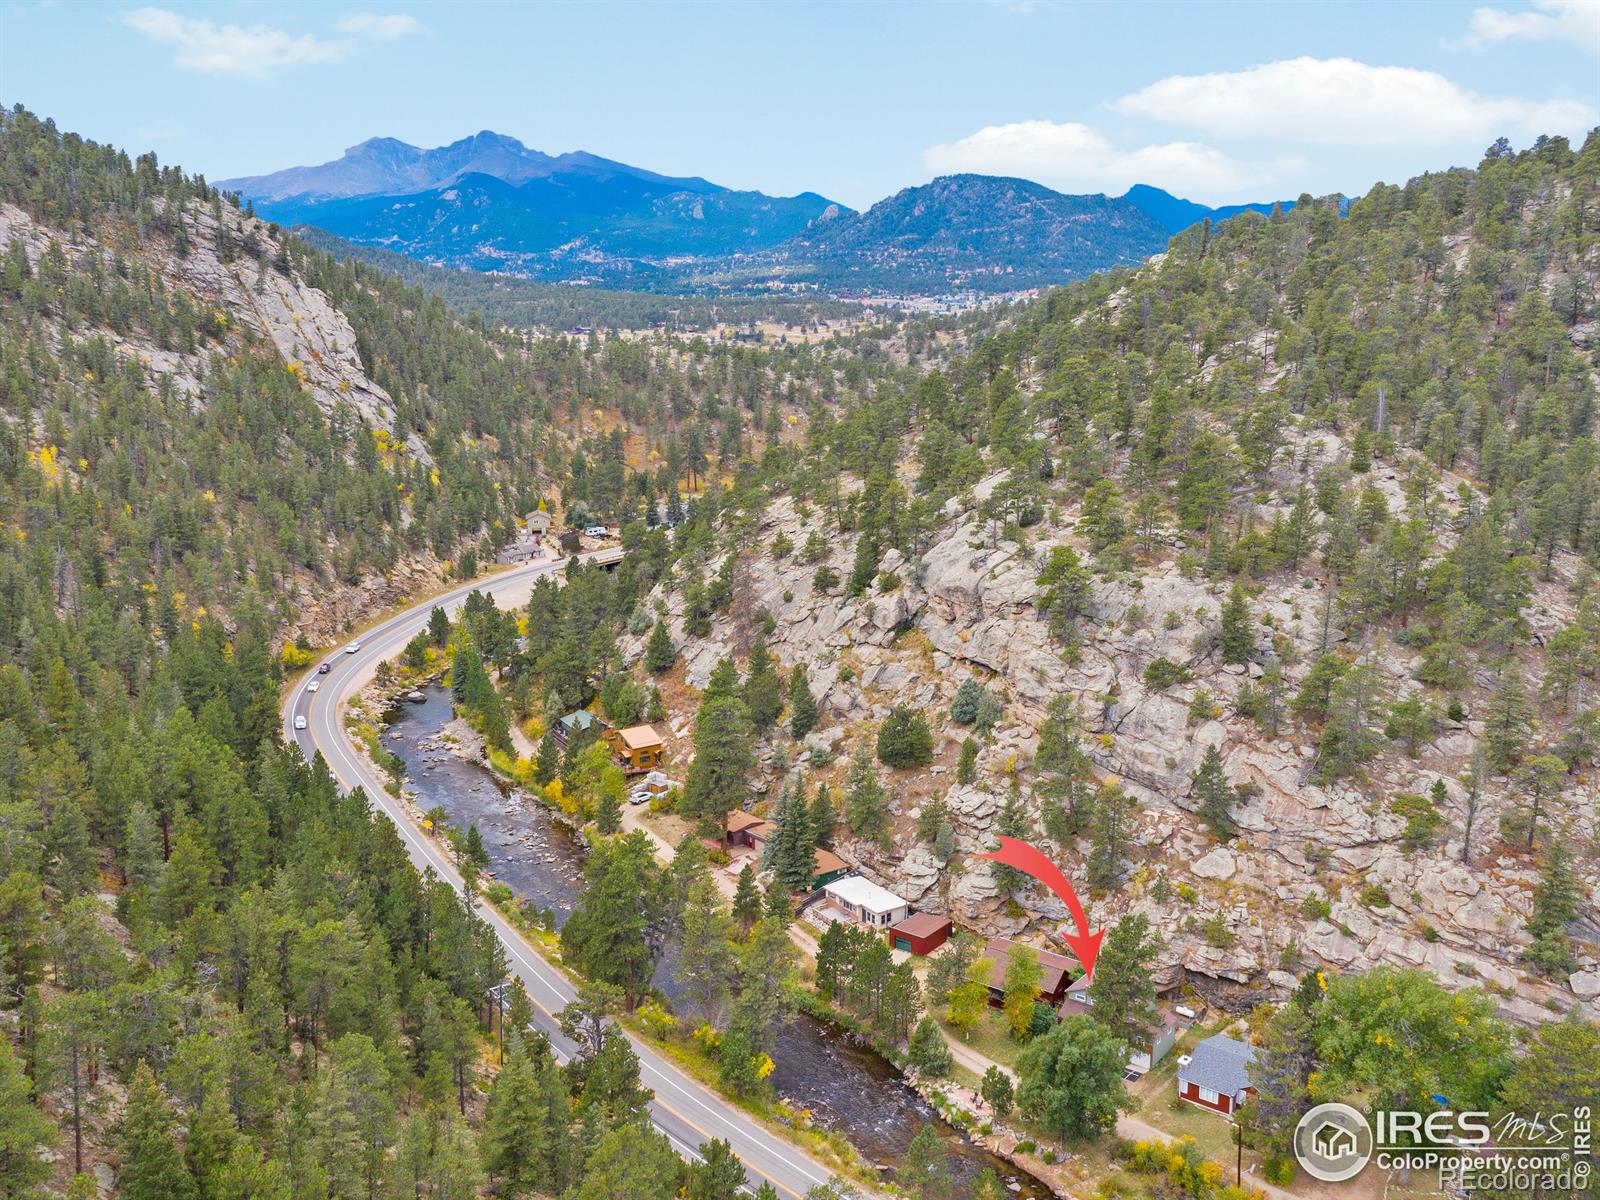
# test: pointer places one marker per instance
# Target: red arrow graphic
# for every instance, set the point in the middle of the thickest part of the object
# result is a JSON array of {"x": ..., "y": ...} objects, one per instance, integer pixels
[{"x": 1030, "y": 860}]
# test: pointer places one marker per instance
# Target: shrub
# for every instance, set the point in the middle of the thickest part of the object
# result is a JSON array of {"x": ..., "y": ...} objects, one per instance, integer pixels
[
  {"x": 1315, "y": 908},
  {"x": 964, "y": 708},
  {"x": 904, "y": 739},
  {"x": 1164, "y": 673},
  {"x": 1217, "y": 932},
  {"x": 1374, "y": 896},
  {"x": 825, "y": 579}
]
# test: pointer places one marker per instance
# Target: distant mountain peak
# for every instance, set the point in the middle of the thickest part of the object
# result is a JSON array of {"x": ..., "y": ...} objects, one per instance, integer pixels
[{"x": 1176, "y": 214}]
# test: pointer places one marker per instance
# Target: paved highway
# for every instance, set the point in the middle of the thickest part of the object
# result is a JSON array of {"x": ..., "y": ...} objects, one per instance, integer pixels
[{"x": 687, "y": 1111}]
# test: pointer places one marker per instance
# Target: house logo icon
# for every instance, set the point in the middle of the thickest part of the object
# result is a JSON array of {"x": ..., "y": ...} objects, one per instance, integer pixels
[{"x": 1333, "y": 1142}]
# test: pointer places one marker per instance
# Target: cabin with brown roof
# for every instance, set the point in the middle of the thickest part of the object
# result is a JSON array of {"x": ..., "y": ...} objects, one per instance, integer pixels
[
  {"x": 636, "y": 748},
  {"x": 1057, "y": 969},
  {"x": 747, "y": 829},
  {"x": 826, "y": 866}
]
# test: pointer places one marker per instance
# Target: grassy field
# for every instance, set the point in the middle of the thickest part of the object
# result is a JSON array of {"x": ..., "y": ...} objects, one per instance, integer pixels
[{"x": 991, "y": 1038}]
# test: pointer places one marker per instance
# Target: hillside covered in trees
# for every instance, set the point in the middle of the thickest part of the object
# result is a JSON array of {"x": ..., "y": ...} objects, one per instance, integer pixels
[
  {"x": 1257, "y": 583},
  {"x": 218, "y": 977}
]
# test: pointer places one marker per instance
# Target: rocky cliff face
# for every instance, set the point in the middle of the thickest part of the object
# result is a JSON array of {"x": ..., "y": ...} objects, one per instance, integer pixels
[
  {"x": 968, "y": 607},
  {"x": 254, "y": 297}
]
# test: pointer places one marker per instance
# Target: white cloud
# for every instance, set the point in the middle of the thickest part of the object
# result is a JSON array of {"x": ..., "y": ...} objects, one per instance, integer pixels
[
  {"x": 1576, "y": 21},
  {"x": 1074, "y": 157},
  {"x": 259, "y": 50},
  {"x": 1339, "y": 101},
  {"x": 203, "y": 45},
  {"x": 384, "y": 27}
]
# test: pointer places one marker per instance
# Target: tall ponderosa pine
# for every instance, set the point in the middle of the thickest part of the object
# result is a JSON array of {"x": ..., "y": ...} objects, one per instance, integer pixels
[
  {"x": 152, "y": 1167},
  {"x": 866, "y": 805},
  {"x": 1214, "y": 795},
  {"x": 763, "y": 687},
  {"x": 1123, "y": 991},
  {"x": 802, "y": 705},
  {"x": 723, "y": 757},
  {"x": 791, "y": 852},
  {"x": 659, "y": 654},
  {"x": 1237, "y": 639},
  {"x": 1556, "y": 903}
]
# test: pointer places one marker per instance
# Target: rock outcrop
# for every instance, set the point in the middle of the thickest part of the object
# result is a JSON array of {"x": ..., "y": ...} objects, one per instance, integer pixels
[{"x": 1249, "y": 912}]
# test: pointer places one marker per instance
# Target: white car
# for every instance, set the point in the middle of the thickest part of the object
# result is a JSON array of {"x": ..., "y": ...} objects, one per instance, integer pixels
[
  {"x": 352, "y": 647},
  {"x": 313, "y": 685},
  {"x": 639, "y": 796},
  {"x": 299, "y": 722}
]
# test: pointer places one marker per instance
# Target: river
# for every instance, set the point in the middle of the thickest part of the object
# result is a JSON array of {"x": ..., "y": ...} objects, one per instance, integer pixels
[{"x": 846, "y": 1086}]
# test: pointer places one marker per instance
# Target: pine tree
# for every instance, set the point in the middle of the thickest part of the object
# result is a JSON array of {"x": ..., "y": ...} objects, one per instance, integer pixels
[
  {"x": 1113, "y": 813},
  {"x": 1066, "y": 781},
  {"x": 967, "y": 763},
  {"x": 516, "y": 1138},
  {"x": 1123, "y": 990},
  {"x": 718, "y": 1175},
  {"x": 866, "y": 806},
  {"x": 997, "y": 1090},
  {"x": 747, "y": 899},
  {"x": 1280, "y": 1072},
  {"x": 1505, "y": 722},
  {"x": 791, "y": 853},
  {"x": 659, "y": 654},
  {"x": 824, "y": 817},
  {"x": 1556, "y": 903},
  {"x": 763, "y": 688},
  {"x": 608, "y": 812},
  {"x": 1013, "y": 822},
  {"x": 24, "y": 1130},
  {"x": 904, "y": 739},
  {"x": 928, "y": 1051},
  {"x": 802, "y": 705},
  {"x": 964, "y": 708},
  {"x": 723, "y": 757},
  {"x": 1237, "y": 641},
  {"x": 865, "y": 566},
  {"x": 706, "y": 951},
  {"x": 152, "y": 1167},
  {"x": 548, "y": 765},
  {"x": 1214, "y": 795},
  {"x": 925, "y": 1169}
]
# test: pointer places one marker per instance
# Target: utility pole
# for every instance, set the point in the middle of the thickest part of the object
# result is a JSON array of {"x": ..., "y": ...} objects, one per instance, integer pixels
[{"x": 498, "y": 994}]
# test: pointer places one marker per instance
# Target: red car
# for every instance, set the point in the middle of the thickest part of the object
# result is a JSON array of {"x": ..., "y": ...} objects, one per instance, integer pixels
[{"x": 324, "y": 668}]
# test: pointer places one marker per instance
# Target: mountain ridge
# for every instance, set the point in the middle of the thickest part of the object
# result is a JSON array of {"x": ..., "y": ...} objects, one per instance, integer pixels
[{"x": 487, "y": 202}]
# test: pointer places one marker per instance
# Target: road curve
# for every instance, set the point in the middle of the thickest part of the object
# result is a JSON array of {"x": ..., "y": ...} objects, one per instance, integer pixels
[{"x": 684, "y": 1109}]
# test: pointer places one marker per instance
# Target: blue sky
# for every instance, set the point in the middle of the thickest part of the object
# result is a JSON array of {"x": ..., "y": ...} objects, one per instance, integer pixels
[{"x": 1216, "y": 101}]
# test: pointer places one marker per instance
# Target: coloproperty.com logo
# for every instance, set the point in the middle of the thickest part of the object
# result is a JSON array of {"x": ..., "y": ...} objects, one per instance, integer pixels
[{"x": 1548, "y": 1152}]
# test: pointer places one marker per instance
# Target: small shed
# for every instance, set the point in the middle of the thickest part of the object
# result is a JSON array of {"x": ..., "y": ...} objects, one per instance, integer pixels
[
  {"x": 864, "y": 902},
  {"x": 538, "y": 521},
  {"x": 636, "y": 748},
  {"x": 575, "y": 724},
  {"x": 920, "y": 933},
  {"x": 1217, "y": 1075}
]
